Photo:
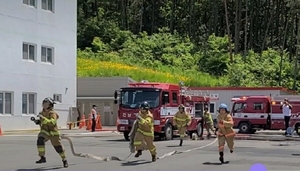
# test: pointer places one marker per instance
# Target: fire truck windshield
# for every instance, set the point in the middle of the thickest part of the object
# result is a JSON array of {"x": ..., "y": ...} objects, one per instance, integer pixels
[
  {"x": 239, "y": 106},
  {"x": 131, "y": 99}
]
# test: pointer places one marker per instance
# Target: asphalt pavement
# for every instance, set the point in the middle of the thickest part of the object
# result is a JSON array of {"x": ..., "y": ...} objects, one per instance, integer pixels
[{"x": 19, "y": 153}]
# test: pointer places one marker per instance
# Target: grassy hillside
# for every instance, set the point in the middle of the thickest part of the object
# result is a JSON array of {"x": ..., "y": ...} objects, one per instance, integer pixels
[{"x": 97, "y": 68}]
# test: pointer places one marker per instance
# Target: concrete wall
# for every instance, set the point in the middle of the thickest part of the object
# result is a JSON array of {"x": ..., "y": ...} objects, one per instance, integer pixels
[
  {"x": 56, "y": 30},
  {"x": 100, "y": 86},
  {"x": 105, "y": 107},
  {"x": 100, "y": 91}
]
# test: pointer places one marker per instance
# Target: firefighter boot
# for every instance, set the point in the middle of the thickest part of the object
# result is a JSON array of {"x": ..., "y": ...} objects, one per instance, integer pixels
[
  {"x": 221, "y": 158},
  {"x": 138, "y": 154},
  {"x": 65, "y": 163},
  {"x": 208, "y": 136},
  {"x": 181, "y": 141},
  {"x": 42, "y": 160},
  {"x": 231, "y": 151},
  {"x": 153, "y": 158}
]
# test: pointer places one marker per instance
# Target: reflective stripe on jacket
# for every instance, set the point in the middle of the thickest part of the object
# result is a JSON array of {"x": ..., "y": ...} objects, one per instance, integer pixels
[{"x": 146, "y": 124}]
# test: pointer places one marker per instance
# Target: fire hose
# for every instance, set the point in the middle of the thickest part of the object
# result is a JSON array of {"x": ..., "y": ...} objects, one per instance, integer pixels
[
  {"x": 115, "y": 158},
  {"x": 88, "y": 155}
]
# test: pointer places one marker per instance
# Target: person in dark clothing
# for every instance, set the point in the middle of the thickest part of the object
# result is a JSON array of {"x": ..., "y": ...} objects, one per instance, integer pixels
[
  {"x": 286, "y": 108},
  {"x": 94, "y": 115}
]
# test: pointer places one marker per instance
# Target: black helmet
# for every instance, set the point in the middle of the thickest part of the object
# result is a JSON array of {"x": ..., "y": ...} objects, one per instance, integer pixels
[
  {"x": 205, "y": 107},
  {"x": 50, "y": 100},
  {"x": 145, "y": 106}
]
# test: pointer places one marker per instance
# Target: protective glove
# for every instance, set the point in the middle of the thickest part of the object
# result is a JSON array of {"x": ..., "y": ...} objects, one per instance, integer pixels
[
  {"x": 138, "y": 117},
  {"x": 37, "y": 122}
]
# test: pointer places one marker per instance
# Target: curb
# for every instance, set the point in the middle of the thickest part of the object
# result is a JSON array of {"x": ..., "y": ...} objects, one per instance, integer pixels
[
  {"x": 20, "y": 132},
  {"x": 267, "y": 138},
  {"x": 269, "y": 133}
]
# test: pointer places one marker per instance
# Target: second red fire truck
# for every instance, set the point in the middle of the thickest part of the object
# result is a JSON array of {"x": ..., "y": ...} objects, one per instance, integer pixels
[
  {"x": 164, "y": 100},
  {"x": 263, "y": 112}
]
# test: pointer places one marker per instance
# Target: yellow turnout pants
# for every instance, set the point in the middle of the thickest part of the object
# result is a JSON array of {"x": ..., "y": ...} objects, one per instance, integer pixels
[
  {"x": 182, "y": 131},
  {"x": 228, "y": 140},
  {"x": 55, "y": 141},
  {"x": 138, "y": 142},
  {"x": 209, "y": 127}
]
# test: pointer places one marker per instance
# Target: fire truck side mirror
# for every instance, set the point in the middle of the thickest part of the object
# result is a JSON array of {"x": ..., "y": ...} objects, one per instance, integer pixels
[{"x": 116, "y": 97}]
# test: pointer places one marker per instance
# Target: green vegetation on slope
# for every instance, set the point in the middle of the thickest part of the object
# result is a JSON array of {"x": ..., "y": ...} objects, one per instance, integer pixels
[{"x": 172, "y": 46}]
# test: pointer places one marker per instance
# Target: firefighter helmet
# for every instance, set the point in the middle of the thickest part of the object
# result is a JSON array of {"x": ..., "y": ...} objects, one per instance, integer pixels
[
  {"x": 145, "y": 106},
  {"x": 50, "y": 100},
  {"x": 205, "y": 107},
  {"x": 181, "y": 106},
  {"x": 223, "y": 106}
]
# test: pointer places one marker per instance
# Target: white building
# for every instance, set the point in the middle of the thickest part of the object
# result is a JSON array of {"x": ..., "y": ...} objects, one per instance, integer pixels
[{"x": 37, "y": 59}]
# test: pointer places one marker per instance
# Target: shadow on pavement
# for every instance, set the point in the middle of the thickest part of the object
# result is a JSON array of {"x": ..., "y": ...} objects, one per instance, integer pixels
[
  {"x": 117, "y": 140},
  {"x": 41, "y": 168},
  {"x": 211, "y": 163},
  {"x": 173, "y": 146},
  {"x": 44, "y": 168},
  {"x": 134, "y": 163}
]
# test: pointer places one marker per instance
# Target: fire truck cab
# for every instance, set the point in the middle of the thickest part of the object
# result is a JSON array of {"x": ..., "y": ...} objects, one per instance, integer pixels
[
  {"x": 263, "y": 112},
  {"x": 164, "y": 100}
]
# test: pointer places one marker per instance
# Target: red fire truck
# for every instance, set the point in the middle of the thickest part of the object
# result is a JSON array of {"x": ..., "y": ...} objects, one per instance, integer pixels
[
  {"x": 164, "y": 99},
  {"x": 251, "y": 113}
]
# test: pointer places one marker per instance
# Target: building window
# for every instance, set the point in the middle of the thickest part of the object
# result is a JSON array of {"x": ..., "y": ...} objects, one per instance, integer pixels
[
  {"x": 48, "y": 5},
  {"x": 57, "y": 97},
  {"x": 47, "y": 54},
  {"x": 29, "y": 51},
  {"x": 28, "y": 103},
  {"x": 174, "y": 97},
  {"x": 211, "y": 107},
  {"x": 5, "y": 103},
  {"x": 30, "y": 2},
  {"x": 258, "y": 106}
]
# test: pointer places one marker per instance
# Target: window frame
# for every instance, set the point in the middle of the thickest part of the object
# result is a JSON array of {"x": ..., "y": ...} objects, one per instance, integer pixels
[
  {"x": 47, "y": 5},
  {"x": 46, "y": 57},
  {"x": 28, "y": 103},
  {"x": 59, "y": 97},
  {"x": 163, "y": 96},
  {"x": 174, "y": 97},
  {"x": 258, "y": 103},
  {"x": 28, "y": 51},
  {"x": 28, "y": 3},
  {"x": 214, "y": 108},
  {"x": 4, "y": 101}
]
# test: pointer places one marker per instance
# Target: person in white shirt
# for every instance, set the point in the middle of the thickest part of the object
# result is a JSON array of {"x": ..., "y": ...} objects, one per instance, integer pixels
[
  {"x": 286, "y": 108},
  {"x": 94, "y": 115}
]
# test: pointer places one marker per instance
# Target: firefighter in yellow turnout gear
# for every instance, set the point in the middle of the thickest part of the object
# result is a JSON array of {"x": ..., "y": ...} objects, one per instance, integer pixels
[
  {"x": 145, "y": 131},
  {"x": 208, "y": 122},
  {"x": 225, "y": 131},
  {"x": 181, "y": 120},
  {"x": 49, "y": 131}
]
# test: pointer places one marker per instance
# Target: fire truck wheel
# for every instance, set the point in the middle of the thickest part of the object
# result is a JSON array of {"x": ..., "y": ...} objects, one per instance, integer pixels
[
  {"x": 168, "y": 132},
  {"x": 244, "y": 128},
  {"x": 297, "y": 129},
  {"x": 199, "y": 130},
  {"x": 126, "y": 135}
]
